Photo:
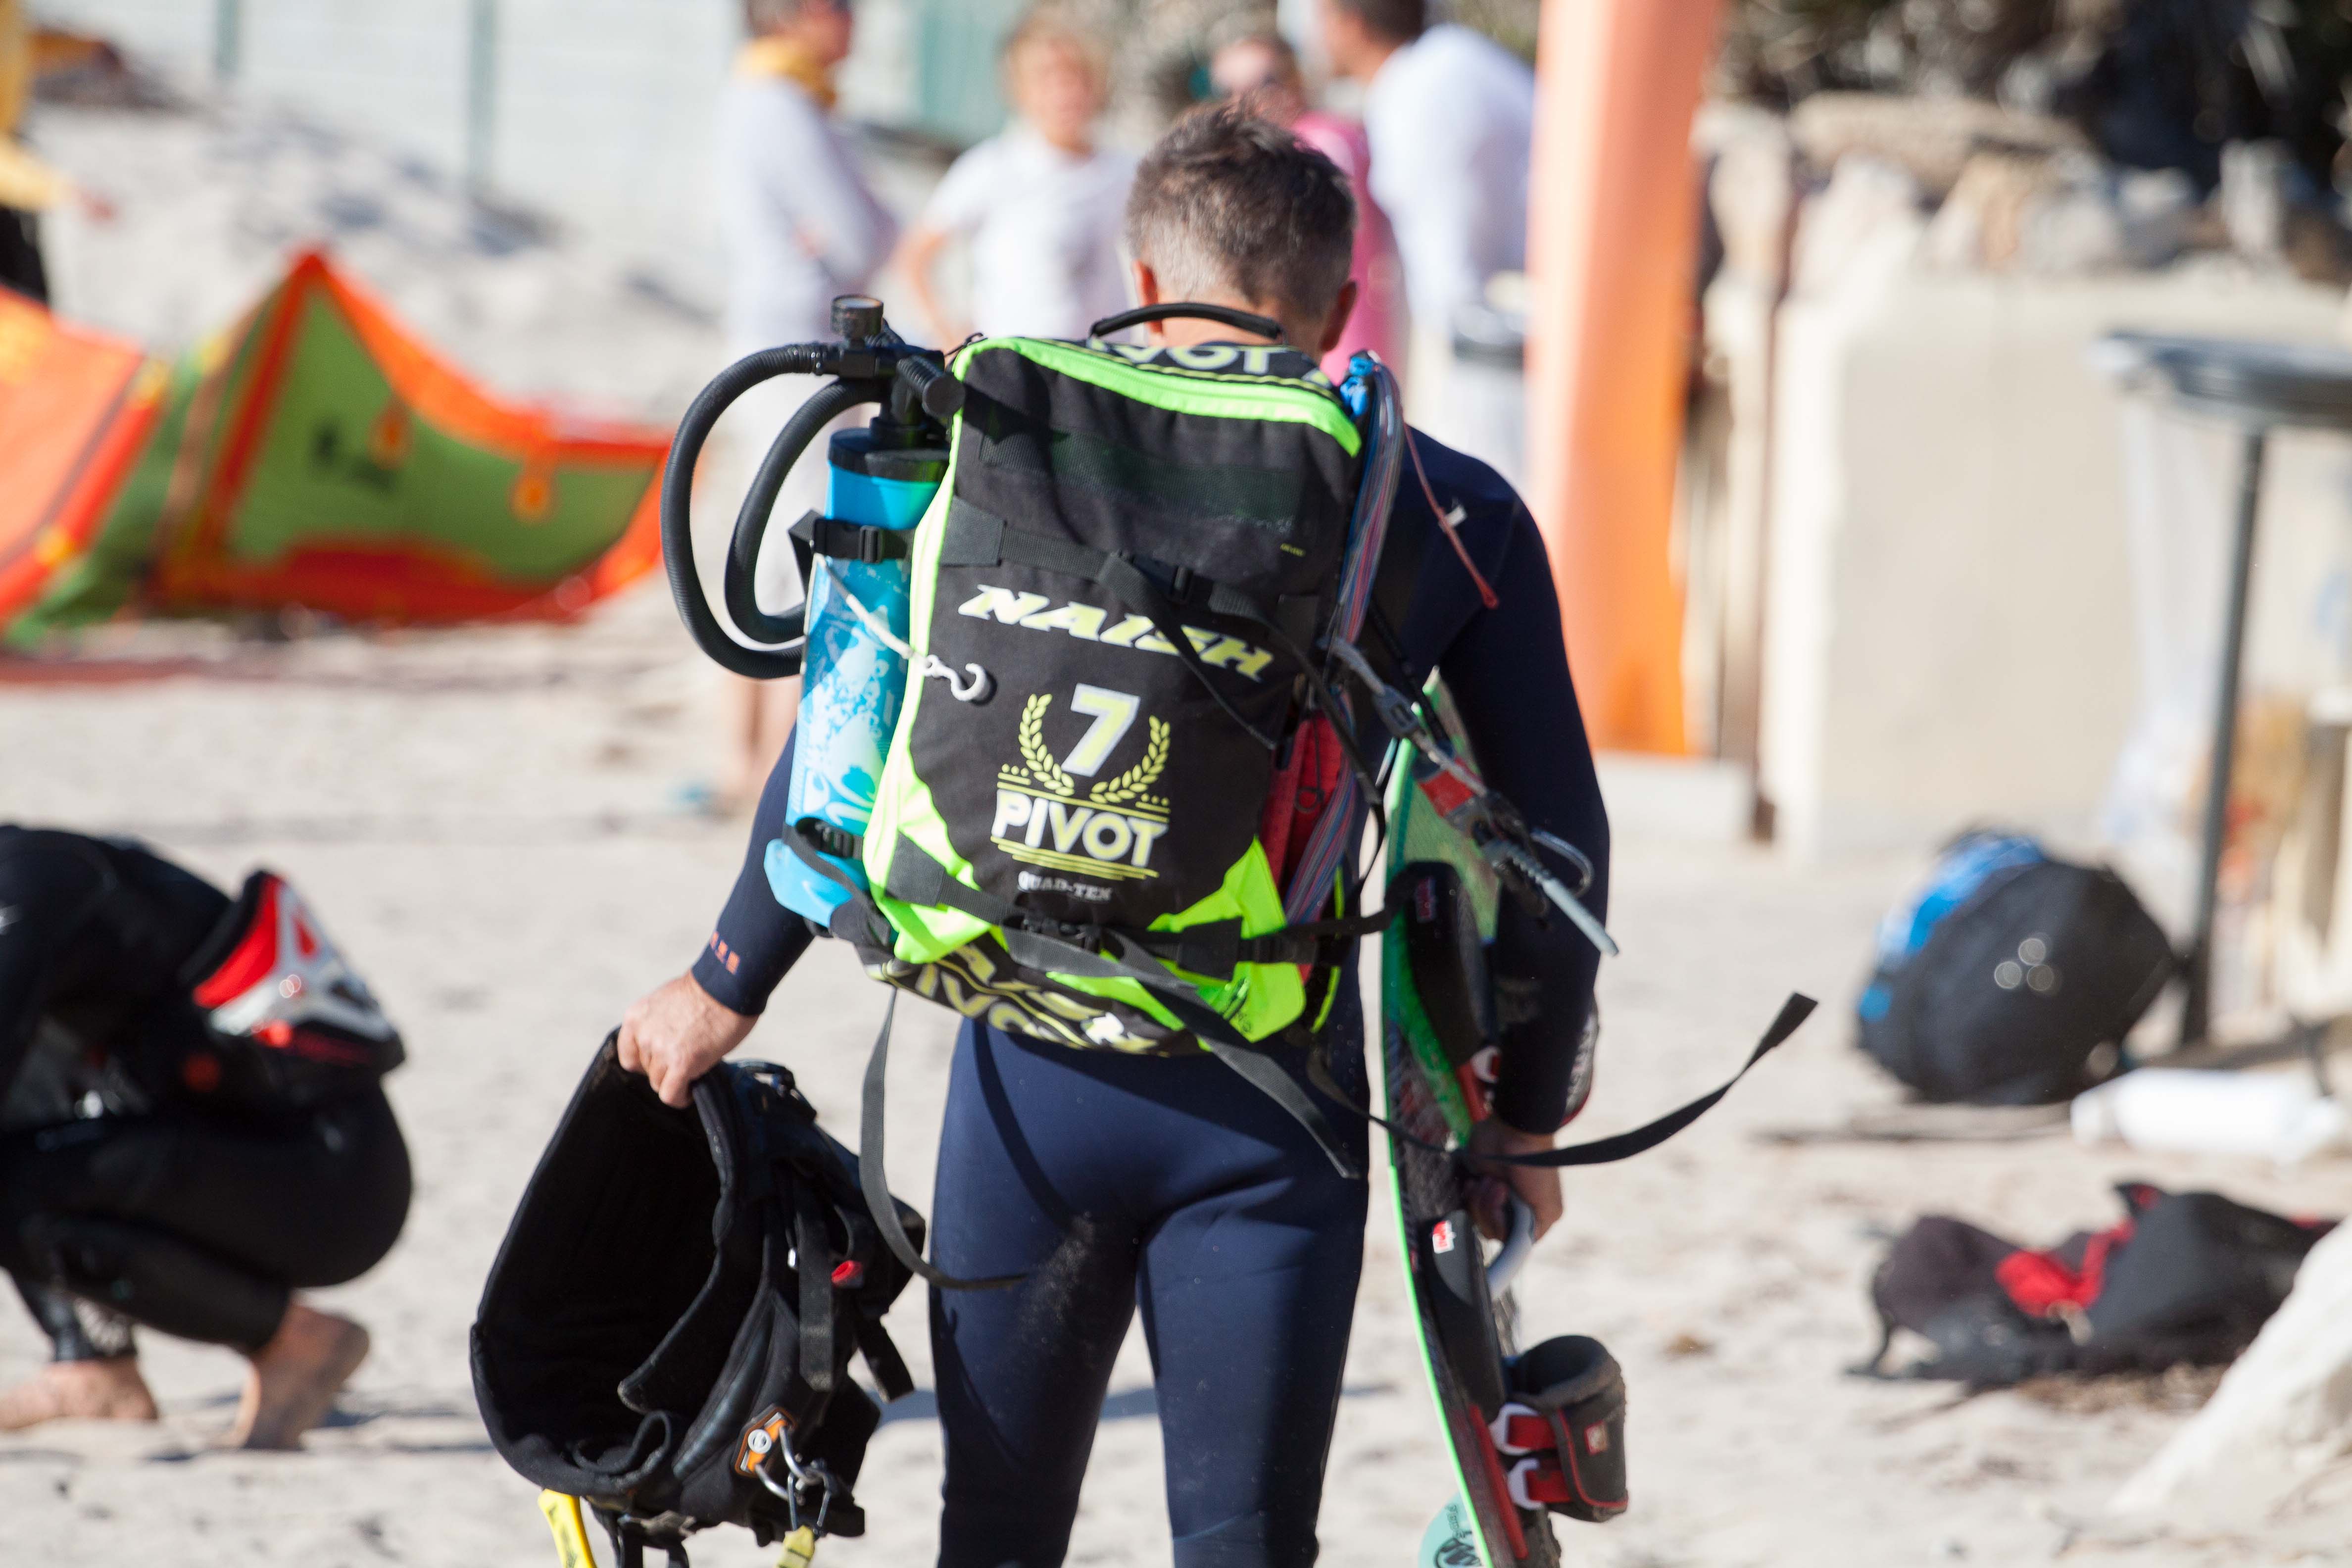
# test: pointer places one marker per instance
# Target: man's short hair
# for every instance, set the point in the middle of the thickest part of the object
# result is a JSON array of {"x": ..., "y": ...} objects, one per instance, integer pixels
[
  {"x": 1226, "y": 201},
  {"x": 1400, "y": 20}
]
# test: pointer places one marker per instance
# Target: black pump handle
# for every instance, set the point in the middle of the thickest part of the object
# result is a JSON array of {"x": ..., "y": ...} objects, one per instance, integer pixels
[
  {"x": 934, "y": 386},
  {"x": 1247, "y": 321}
]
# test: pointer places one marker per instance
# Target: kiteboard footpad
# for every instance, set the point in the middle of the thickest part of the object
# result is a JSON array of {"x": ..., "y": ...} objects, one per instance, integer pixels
[{"x": 1560, "y": 1433}]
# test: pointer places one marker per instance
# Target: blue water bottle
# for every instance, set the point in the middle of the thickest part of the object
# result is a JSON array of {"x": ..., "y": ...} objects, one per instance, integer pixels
[{"x": 853, "y": 680}]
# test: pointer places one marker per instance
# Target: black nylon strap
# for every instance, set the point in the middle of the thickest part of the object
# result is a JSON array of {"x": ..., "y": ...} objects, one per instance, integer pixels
[
  {"x": 1303, "y": 942},
  {"x": 1216, "y": 1036},
  {"x": 1213, "y": 948},
  {"x": 1266, "y": 1076},
  {"x": 975, "y": 537},
  {"x": 1641, "y": 1140},
  {"x": 856, "y": 921},
  {"x": 874, "y": 1182},
  {"x": 1600, "y": 1150},
  {"x": 839, "y": 540},
  {"x": 883, "y": 1360},
  {"x": 812, "y": 1262},
  {"x": 1126, "y": 580},
  {"x": 918, "y": 878}
]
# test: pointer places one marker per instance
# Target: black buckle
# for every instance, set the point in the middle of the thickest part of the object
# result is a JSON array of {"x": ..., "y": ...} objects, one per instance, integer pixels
[
  {"x": 1211, "y": 949},
  {"x": 837, "y": 842},
  {"x": 869, "y": 546}
]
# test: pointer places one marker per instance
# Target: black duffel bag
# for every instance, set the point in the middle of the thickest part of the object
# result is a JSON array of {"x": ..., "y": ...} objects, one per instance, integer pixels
[
  {"x": 667, "y": 1332},
  {"x": 2011, "y": 977},
  {"x": 2186, "y": 1278}
]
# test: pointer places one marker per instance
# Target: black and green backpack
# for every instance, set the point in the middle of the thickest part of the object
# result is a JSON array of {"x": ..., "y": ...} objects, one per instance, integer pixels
[
  {"x": 1112, "y": 697},
  {"x": 1121, "y": 800}
]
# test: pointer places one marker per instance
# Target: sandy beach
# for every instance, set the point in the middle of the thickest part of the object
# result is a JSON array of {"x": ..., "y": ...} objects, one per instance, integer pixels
[
  {"x": 492, "y": 822},
  {"x": 485, "y": 818}
]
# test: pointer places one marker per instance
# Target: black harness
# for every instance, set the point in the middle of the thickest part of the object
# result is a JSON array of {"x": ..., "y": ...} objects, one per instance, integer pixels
[{"x": 667, "y": 1332}]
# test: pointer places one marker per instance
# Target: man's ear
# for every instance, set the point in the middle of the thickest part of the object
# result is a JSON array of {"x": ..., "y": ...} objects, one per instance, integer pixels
[
  {"x": 1337, "y": 322},
  {"x": 1148, "y": 293}
]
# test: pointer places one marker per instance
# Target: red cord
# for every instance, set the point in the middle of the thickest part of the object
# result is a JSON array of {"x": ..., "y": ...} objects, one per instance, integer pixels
[{"x": 1446, "y": 521}]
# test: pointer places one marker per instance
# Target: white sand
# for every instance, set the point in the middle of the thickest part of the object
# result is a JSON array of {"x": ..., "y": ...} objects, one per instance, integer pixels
[{"x": 483, "y": 820}]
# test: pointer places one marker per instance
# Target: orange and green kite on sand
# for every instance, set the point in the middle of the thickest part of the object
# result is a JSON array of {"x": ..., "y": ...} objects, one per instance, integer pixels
[{"x": 316, "y": 455}]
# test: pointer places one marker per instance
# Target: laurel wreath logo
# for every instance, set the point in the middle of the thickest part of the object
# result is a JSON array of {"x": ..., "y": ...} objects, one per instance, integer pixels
[
  {"x": 1042, "y": 765},
  {"x": 1131, "y": 784}
]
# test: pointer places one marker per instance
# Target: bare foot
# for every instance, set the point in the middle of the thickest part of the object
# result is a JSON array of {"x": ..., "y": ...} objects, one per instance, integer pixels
[
  {"x": 295, "y": 1378},
  {"x": 110, "y": 1390}
]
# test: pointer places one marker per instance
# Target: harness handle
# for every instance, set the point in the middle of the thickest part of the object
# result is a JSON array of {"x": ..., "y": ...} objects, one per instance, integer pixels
[{"x": 1226, "y": 315}]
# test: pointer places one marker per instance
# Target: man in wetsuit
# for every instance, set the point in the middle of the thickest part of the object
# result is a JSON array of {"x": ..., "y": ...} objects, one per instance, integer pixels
[
  {"x": 191, "y": 1127},
  {"x": 1115, "y": 1181}
]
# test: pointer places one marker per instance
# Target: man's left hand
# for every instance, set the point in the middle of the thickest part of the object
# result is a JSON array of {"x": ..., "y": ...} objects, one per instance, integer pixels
[{"x": 1534, "y": 1186}]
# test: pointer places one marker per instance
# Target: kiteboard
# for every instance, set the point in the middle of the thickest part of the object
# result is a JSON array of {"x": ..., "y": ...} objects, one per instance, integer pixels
[{"x": 1436, "y": 1033}]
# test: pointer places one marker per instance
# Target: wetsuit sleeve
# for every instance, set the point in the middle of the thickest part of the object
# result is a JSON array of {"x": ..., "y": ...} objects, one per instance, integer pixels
[
  {"x": 756, "y": 940},
  {"x": 1508, "y": 672},
  {"x": 46, "y": 893}
]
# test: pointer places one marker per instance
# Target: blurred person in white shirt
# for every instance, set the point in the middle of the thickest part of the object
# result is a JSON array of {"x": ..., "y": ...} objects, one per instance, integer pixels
[
  {"x": 1040, "y": 204},
  {"x": 800, "y": 224},
  {"x": 1449, "y": 116}
]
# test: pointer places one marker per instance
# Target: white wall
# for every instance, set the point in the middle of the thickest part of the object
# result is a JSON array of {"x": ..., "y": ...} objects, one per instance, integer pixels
[{"x": 1950, "y": 634}]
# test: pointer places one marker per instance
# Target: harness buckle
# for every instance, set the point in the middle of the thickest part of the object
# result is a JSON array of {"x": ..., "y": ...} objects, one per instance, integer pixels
[
  {"x": 869, "y": 546},
  {"x": 812, "y": 1482}
]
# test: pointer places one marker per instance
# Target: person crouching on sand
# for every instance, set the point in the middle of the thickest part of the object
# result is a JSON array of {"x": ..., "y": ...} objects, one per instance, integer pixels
[{"x": 191, "y": 1129}]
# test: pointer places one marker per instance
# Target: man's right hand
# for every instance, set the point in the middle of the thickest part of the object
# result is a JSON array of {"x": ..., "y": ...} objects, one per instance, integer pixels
[{"x": 675, "y": 1034}]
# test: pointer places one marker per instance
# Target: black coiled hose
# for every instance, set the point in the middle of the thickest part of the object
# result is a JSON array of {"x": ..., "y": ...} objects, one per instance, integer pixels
[
  {"x": 678, "y": 495},
  {"x": 807, "y": 422}
]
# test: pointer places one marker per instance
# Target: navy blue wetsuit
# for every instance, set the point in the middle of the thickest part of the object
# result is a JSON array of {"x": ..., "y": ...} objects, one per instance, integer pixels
[{"x": 1117, "y": 1182}]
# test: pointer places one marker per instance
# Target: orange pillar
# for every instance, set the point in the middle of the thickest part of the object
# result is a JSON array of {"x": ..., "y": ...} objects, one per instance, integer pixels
[{"x": 1612, "y": 235}]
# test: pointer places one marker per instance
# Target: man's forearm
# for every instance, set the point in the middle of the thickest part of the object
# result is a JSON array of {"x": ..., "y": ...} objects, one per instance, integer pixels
[{"x": 756, "y": 939}]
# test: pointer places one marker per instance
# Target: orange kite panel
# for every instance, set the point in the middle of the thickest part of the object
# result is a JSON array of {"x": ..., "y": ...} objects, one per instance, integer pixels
[{"x": 69, "y": 427}]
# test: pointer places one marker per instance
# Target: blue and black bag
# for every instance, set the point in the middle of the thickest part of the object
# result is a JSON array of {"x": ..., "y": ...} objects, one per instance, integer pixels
[{"x": 2011, "y": 977}]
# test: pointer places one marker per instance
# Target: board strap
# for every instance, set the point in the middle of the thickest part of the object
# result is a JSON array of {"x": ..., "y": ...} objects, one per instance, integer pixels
[{"x": 1600, "y": 1150}]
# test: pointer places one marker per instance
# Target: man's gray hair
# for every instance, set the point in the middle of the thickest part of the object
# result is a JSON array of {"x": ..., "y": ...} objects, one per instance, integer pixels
[{"x": 1230, "y": 202}]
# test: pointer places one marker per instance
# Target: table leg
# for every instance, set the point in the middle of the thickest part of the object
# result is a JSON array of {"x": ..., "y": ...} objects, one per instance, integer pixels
[{"x": 2197, "y": 962}]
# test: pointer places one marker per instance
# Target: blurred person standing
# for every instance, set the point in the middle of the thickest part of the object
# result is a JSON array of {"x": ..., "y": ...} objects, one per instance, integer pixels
[
  {"x": 1450, "y": 117},
  {"x": 1260, "y": 69},
  {"x": 1040, "y": 204},
  {"x": 28, "y": 187},
  {"x": 800, "y": 224}
]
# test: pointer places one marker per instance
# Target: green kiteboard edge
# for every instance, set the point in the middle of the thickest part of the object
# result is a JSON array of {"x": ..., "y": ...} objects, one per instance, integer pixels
[{"x": 1418, "y": 835}]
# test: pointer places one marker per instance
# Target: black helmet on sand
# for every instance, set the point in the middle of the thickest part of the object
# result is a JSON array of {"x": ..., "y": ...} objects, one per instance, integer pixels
[{"x": 667, "y": 1332}]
